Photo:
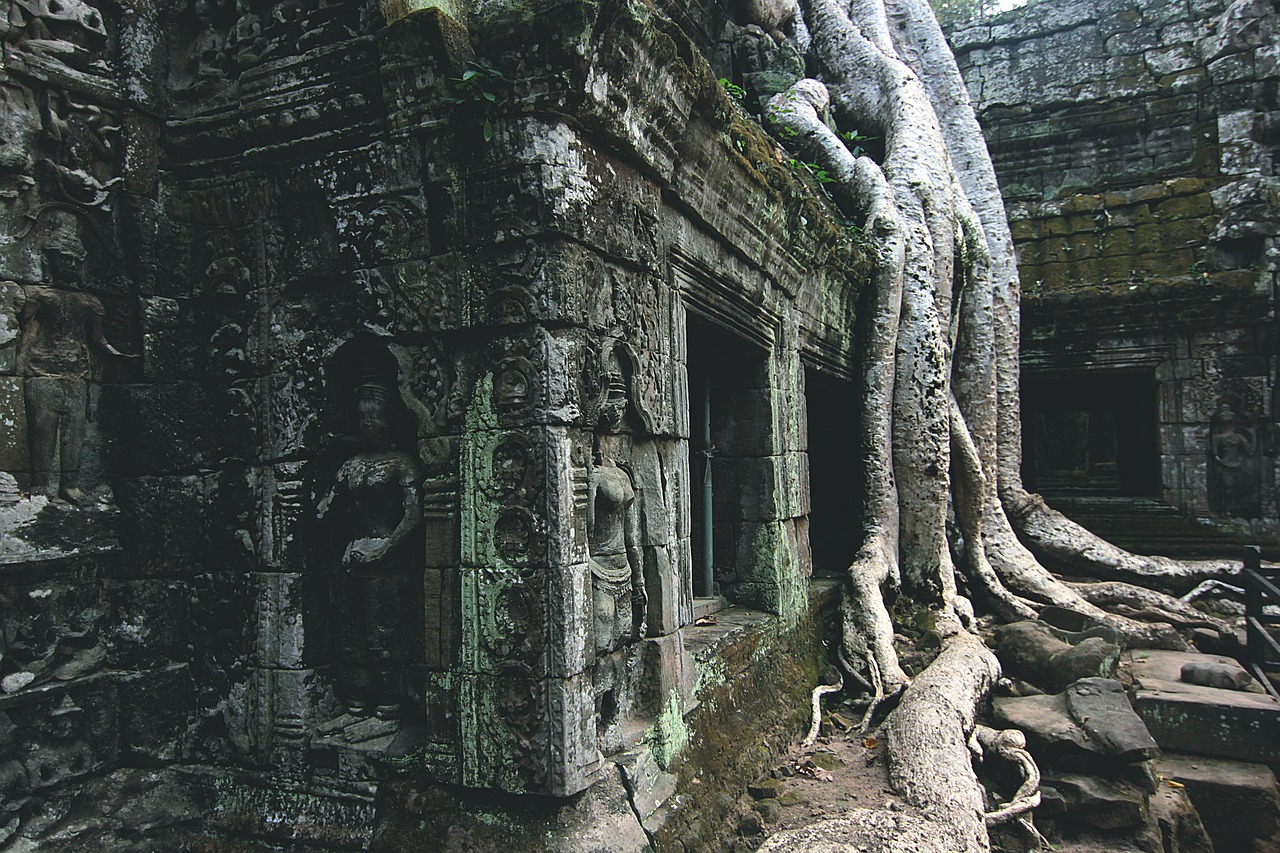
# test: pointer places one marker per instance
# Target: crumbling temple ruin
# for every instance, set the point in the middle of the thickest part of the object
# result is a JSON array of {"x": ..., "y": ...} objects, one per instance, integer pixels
[
  {"x": 1136, "y": 148},
  {"x": 422, "y": 424}
]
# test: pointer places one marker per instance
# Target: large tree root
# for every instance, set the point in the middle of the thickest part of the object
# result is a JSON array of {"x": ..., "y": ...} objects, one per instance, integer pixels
[
  {"x": 938, "y": 433},
  {"x": 929, "y": 763},
  {"x": 928, "y": 735},
  {"x": 1074, "y": 548},
  {"x": 1140, "y": 603}
]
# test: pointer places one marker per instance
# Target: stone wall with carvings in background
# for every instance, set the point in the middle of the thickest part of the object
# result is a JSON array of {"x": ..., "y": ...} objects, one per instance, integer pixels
[{"x": 1136, "y": 144}]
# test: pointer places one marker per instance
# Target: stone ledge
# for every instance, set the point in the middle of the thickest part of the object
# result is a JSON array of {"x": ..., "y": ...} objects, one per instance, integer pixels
[{"x": 1202, "y": 720}]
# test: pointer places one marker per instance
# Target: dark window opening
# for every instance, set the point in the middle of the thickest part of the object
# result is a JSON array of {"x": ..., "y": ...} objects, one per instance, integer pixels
[
  {"x": 836, "y": 478},
  {"x": 731, "y": 428},
  {"x": 1240, "y": 253},
  {"x": 1090, "y": 433}
]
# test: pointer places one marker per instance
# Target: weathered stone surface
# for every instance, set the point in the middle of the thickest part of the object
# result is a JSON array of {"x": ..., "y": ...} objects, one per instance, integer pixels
[
  {"x": 1129, "y": 141},
  {"x": 1224, "y": 675},
  {"x": 599, "y": 820},
  {"x": 1034, "y": 652},
  {"x": 1101, "y": 708},
  {"x": 1179, "y": 823},
  {"x": 1237, "y": 802},
  {"x": 1092, "y": 718},
  {"x": 1107, "y": 804},
  {"x": 1203, "y": 720}
]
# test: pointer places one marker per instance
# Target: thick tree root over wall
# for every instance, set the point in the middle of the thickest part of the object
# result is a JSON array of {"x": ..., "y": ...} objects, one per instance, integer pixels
[{"x": 941, "y": 431}]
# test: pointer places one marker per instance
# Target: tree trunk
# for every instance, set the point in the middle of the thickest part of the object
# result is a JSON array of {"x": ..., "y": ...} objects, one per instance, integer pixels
[{"x": 939, "y": 432}]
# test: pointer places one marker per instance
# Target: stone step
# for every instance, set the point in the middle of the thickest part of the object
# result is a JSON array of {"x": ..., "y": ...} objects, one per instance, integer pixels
[
  {"x": 1088, "y": 724},
  {"x": 1237, "y": 802},
  {"x": 1198, "y": 719},
  {"x": 1148, "y": 526}
]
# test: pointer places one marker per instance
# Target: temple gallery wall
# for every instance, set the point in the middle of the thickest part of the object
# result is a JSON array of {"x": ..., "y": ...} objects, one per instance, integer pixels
[
  {"x": 360, "y": 371},
  {"x": 1136, "y": 144},
  {"x": 359, "y": 382}
]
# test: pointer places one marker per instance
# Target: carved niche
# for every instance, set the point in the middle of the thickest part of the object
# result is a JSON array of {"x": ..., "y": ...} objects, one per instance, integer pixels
[
  {"x": 372, "y": 508},
  {"x": 1235, "y": 465}
]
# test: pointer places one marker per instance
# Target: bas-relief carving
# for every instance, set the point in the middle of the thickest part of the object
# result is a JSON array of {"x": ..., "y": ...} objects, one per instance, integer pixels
[
  {"x": 217, "y": 40},
  {"x": 374, "y": 509},
  {"x": 1235, "y": 486},
  {"x": 613, "y": 531},
  {"x": 69, "y": 31},
  {"x": 59, "y": 331}
]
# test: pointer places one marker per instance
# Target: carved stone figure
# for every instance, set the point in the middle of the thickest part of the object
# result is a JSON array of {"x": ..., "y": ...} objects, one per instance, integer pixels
[
  {"x": 1234, "y": 486},
  {"x": 376, "y": 504},
  {"x": 58, "y": 329},
  {"x": 613, "y": 531},
  {"x": 67, "y": 31}
]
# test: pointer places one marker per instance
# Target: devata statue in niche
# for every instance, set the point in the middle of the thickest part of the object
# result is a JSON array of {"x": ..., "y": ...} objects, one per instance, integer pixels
[
  {"x": 1234, "y": 467},
  {"x": 375, "y": 507},
  {"x": 58, "y": 327},
  {"x": 613, "y": 525}
]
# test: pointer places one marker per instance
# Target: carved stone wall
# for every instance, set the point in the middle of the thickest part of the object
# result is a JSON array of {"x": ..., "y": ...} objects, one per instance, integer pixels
[
  {"x": 1135, "y": 143},
  {"x": 379, "y": 334}
]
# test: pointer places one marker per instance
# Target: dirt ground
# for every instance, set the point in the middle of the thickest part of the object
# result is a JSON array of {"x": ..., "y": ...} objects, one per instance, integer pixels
[{"x": 842, "y": 771}]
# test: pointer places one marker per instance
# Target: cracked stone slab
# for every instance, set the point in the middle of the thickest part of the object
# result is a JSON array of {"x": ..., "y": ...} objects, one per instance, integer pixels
[{"x": 1193, "y": 718}]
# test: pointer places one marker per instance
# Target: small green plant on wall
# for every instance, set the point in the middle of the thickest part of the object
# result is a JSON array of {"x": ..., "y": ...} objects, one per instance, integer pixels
[
  {"x": 735, "y": 91},
  {"x": 478, "y": 90}
]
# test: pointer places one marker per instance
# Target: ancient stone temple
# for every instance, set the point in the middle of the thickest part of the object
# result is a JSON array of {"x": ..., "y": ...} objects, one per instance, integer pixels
[
  {"x": 405, "y": 421},
  {"x": 1136, "y": 147}
]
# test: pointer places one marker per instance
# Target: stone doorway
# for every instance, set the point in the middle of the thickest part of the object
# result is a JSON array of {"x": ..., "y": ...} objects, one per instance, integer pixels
[
  {"x": 833, "y": 423},
  {"x": 732, "y": 430},
  {"x": 1091, "y": 433}
]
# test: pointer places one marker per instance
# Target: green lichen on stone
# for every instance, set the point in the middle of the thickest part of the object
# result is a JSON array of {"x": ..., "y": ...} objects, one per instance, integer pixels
[
  {"x": 274, "y": 805},
  {"x": 669, "y": 735},
  {"x": 711, "y": 675},
  {"x": 394, "y": 10},
  {"x": 483, "y": 760}
]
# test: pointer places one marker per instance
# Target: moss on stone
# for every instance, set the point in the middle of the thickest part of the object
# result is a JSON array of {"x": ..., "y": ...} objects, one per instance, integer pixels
[{"x": 669, "y": 735}]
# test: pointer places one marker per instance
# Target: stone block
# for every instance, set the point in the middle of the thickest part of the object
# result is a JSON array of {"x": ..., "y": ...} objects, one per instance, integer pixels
[
  {"x": 1170, "y": 60},
  {"x": 163, "y": 524},
  {"x": 649, "y": 786},
  {"x": 439, "y": 616},
  {"x": 745, "y": 422},
  {"x": 1216, "y": 673},
  {"x": 278, "y": 619},
  {"x": 68, "y": 731},
  {"x": 1237, "y": 802},
  {"x": 668, "y": 671},
  {"x": 570, "y": 634},
  {"x": 529, "y": 736},
  {"x": 1106, "y": 804},
  {"x": 1179, "y": 822},
  {"x": 663, "y": 586},
  {"x": 504, "y": 621},
  {"x": 601, "y": 819},
  {"x": 1202, "y": 720},
  {"x": 766, "y": 597},
  {"x": 1058, "y": 736},
  {"x": 13, "y": 426},
  {"x": 155, "y": 710},
  {"x": 153, "y": 623},
  {"x": 749, "y": 489},
  {"x": 757, "y": 552},
  {"x": 158, "y": 429},
  {"x": 1102, "y": 710},
  {"x": 169, "y": 345}
]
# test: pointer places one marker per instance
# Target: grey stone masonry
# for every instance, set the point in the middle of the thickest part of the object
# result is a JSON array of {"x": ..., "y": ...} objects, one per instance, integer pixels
[{"x": 1136, "y": 146}]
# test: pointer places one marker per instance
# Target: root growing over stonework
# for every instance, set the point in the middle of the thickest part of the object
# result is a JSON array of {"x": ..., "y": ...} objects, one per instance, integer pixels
[{"x": 941, "y": 415}]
